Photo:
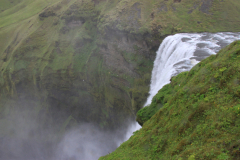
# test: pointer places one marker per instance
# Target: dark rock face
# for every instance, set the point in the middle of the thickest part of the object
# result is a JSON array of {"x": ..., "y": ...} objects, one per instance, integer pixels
[
  {"x": 205, "y": 6},
  {"x": 47, "y": 14},
  {"x": 175, "y": 1},
  {"x": 163, "y": 7}
]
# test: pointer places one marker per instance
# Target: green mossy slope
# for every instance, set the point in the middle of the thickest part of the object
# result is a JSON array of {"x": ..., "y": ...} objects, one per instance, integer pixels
[
  {"x": 199, "y": 118},
  {"x": 171, "y": 16}
]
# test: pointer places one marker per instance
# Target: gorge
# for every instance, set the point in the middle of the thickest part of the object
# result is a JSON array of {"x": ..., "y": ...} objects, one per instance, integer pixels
[{"x": 74, "y": 73}]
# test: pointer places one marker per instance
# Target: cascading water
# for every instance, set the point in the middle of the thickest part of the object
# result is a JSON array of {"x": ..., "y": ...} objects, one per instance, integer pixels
[{"x": 180, "y": 52}]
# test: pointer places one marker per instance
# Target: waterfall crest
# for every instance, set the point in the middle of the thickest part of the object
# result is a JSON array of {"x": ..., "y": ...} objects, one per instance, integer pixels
[{"x": 180, "y": 52}]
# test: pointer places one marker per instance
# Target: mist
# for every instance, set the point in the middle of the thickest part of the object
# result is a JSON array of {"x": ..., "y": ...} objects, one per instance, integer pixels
[
  {"x": 84, "y": 143},
  {"x": 31, "y": 137}
]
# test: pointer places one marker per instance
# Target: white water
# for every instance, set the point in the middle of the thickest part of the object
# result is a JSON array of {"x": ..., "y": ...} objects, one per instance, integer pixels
[{"x": 180, "y": 52}]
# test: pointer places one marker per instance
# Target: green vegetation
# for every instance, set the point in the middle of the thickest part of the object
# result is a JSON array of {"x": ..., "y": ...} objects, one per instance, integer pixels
[
  {"x": 198, "y": 117},
  {"x": 158, "y": 101},
  {"x": 54, "y": 53},
  {"x": 167, "y": 17}
]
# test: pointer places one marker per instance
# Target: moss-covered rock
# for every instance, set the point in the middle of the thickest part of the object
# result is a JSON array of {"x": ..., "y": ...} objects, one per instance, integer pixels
[{"x": 158, "y": 101}]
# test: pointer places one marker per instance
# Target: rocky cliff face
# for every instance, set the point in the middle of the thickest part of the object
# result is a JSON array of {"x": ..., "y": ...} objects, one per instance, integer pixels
[
  {"x": 74, "y": 61},
  {"x": 60, "y": 65}
]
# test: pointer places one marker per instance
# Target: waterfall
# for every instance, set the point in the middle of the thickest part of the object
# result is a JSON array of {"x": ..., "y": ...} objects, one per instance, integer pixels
[{"x": 180, "y": 52}]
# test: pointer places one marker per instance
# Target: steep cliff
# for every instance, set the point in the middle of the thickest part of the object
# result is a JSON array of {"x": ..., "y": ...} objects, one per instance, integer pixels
[{"x": 74, "y": 61}]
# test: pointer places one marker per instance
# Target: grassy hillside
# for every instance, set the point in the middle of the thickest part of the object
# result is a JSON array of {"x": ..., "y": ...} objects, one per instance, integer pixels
[
  {"x": 199, "y": 117},
  {"x": 90, "y": 60},
  {"x": 166, "y": 17}
]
